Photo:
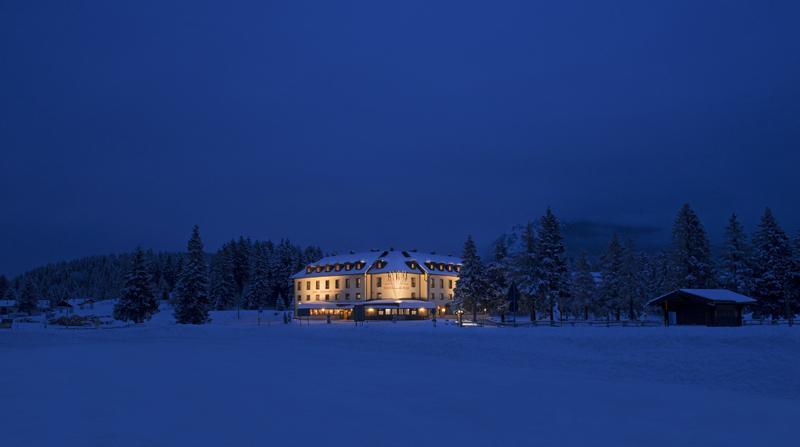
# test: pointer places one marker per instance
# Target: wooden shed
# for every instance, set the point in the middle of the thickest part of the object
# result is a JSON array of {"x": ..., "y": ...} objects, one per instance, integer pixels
[{"x": 709, "y": 307}]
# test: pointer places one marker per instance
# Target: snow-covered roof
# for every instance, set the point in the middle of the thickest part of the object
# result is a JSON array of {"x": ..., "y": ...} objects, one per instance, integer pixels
[
  {"x": 325, "y": 305},
  {"x": 402, "y": 304},
  {"x": 718, "y": 295},
  {"x": 8, "y": 303},
  {"x": 381, "y": 262}
]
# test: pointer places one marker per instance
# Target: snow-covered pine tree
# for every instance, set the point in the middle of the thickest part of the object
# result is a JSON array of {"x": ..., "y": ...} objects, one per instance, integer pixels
[
  {"x": 497, "y": 277},
  {"x": 551, "y": 272},
  {"x": 735, "y": 266},
  {"x": 691, "y": 255},
  {"x": 524, "y": 272},
  {"x": 610, "y": 293},
  {"x": 772, "y": 268},
  {"x": 191, "y": 301},
  {"x": 632, "y": 293},
  {"x": 259, "y": 289},
  {"x": 137, "y": 303},
  {"x": 472, "y": 285},
  {"x": 223, "y": 285},
  {"x": 584, "y": 290},
  {"x": 26, "y": 301}
]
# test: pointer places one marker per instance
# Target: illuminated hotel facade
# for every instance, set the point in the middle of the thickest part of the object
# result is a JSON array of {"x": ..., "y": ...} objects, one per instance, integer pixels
[{"x": 377, "y": 285}]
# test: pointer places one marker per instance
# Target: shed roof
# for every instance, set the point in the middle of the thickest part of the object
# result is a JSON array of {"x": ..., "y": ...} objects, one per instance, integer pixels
[{"x": 712, "y": 295}]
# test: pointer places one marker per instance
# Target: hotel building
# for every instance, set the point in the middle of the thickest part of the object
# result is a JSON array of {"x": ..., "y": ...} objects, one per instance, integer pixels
[{"x": 377, "y": 285}]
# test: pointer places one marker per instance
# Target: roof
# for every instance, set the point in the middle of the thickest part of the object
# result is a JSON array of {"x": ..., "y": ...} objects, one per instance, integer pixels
[
  {"x": 8, "y": 303},
  {"x": 713, "y": 295},
  {"x": 390, "y": 261}
]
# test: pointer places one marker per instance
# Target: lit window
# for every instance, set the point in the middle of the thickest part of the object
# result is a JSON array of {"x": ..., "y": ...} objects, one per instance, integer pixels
[
  {"x": 413, "y": 282},
  {"x": 358, "y": 296},
  {"x": 380, "y": 282},
  {"x": 316, "y": 298},
  {"x": 308, "y": 297},
  {"x": 336, "y": 297},
  {"x": 358, "y": 282},
  {"x": 433, "y": 283},
  {"x": 379, "y": 295}
]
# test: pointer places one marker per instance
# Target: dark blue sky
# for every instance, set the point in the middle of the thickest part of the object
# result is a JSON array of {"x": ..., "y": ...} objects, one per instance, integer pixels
[{"x": 366, "y": 124}]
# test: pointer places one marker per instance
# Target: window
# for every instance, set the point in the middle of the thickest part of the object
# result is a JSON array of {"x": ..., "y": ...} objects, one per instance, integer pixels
[
  {"x": 379, "y": 295},
  {"x": 347, "y": 296},
  {"x": 433, "y": 283},
  {"x": 336, "y": 283},
  {"x": 413, "y": 295},
  {"x": 380, "y": 282},
  {"x": 299, "y": 285},
  {"x": 450, "y": 284},
  {"x": 358, "y": 296},
  {"x": 358, "y": 282},
  {"x": 327, "y": 284},
  {"x": 308, "y": 285},
  {"x": 451, "y": 296},
  {"x": 413, "y": 282},
  {"x": 317, "y": 285},
  {"x": 347, "y": 266},
  {"x": 441, "y": 283},
  {"x": 299, "y": 297},
  {"x": 336, "y": 297},
  {"x": 316, "y": 298},
  {"x": 441, "y": 296},
  {"x": 347, "y": 283},
  {"x": 327, "y": 297},
  {"x": 308, "y": 297}
]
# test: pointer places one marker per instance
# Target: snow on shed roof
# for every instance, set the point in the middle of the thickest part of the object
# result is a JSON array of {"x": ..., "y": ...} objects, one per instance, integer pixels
[{"x": 723, "y": 295}]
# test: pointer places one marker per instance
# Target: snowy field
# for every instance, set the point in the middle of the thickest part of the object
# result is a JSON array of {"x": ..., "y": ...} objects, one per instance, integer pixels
[{"x": 390, "y": 384}]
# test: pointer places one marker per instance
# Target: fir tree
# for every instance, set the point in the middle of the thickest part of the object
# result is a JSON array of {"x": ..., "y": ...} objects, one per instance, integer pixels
[
  {"x": 472, "y": 286},
  {"x": 611, "y": 295},
  {"x": 4, "y": 286},
  {"x": 497, "y": 277},
  {"x": 524, "y": 271},
  {"x": 584, "y": 289},
  {"x": 631, "y": 292},
  {"x": 735, "y": 268},
  {"x": 258, "y": 292},
  {"x": 27, "y": 299},
  {"x": 691, "y": 255},
  {"x": 773, "y": 265},
  {"x": 138, "y": 303},
  {"x": 551, "y": 267},
  {"x": 223, "y": 284},
  {"x": 512, "y": 298},
  {"x": 192, "y": 303}
]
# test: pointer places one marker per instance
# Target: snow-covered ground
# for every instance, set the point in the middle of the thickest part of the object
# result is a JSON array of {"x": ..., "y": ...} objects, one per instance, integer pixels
[{"x": 384, "y": 384}]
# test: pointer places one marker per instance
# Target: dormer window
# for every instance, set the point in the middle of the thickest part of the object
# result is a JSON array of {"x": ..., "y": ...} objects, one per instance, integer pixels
[
  {"x": 338, "y": 267},
  {"x": 348, "y": 266},
  {"x": 449, "y": 267},
  {"x": 328, "y": 268},
  {"x": 319, "y": 268},
  {"x": 309, "y": 269}
]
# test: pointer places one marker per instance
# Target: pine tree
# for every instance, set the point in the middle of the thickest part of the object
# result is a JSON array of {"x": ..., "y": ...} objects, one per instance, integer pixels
[
  {"x": 611, "y": 295},
  {"x": 524, "y": 272},
  {"x": 192, "y": 303},
  {"x": 259, "y": 290},
  {"x": 27, "y": 299},
  {"x": 735, "y": 269},
  {"x": 223, "y": 284},
  {"x": 512, "y": 298},
  {"x": 497, "y": 277},
  {"x": 551, "y": 272},
  {"x": 584, "y": 289},
  {"x": 632, "y": 293},
  {"x": 773, "y": 265},
  {"x": 691, "y": 255},
  {"x": 138, "y": 303},
  {"x": 472, "y": 286}
]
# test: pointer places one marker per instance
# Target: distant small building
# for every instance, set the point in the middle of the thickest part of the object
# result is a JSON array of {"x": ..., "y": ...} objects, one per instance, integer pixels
[
  {"x": 709, "y": 307},
  {"x": 7, "y": 307}
]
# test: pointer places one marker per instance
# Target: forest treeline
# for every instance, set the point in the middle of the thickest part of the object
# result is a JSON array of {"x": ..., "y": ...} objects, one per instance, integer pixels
[{"x": 529, "y": 272}]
